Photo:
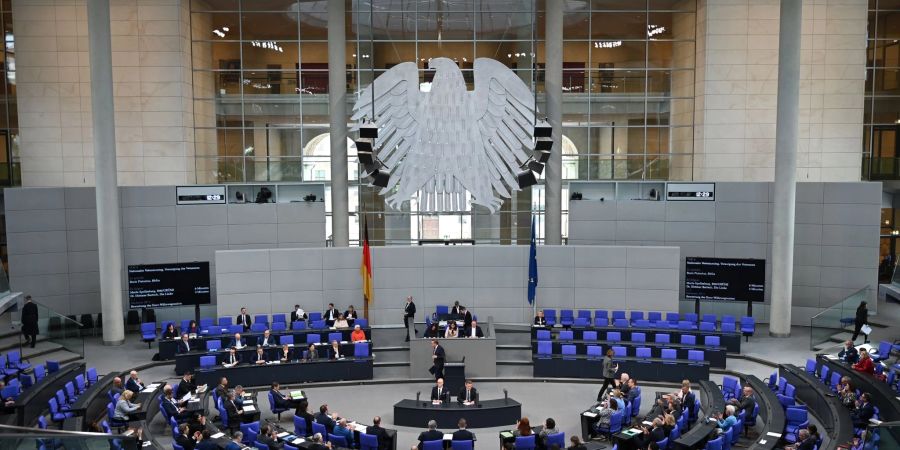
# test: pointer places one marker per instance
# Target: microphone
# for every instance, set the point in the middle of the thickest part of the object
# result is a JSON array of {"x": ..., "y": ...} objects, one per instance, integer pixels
[
  {"x": 417, "y": 395},
  {"x": 505, "y": 395}
]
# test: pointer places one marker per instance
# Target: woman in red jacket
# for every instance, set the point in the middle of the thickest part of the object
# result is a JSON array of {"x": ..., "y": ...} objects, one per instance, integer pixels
[{"x": 865, "y": 363}]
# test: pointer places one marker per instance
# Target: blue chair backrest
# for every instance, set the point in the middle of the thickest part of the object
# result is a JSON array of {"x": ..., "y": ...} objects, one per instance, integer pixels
[
  {"x": 543, "y": 335},
  {"x": 278, "y": 318},
  {"x": 313, "y": 338},
  {"x": 638, "y": 337},
  {"x": 668, "y": 353},
  {"x": 225, "y": 321},
  {"x": 39, "y": 372},
  {"x": 707, "y": 326},
  {"x": 213, "y": 345},
  {"x": 636, "y": 315},
  {"x": 314, "y": 316},
  {"x": 79, "y": 382},
  {"x": 545, "y": 348},
  {"x": 568, "y": 349},
  {"x": 319, "y": 428},
  {"x": 585, "y": 313},
  {"x": 524, "y": 442},
  {"x": 582, "y": 322},
  {"x": 566, "y": 314},
  {"x": 148, "y": 328},
  {"x": 715, "y": 444},
  {"x": 462, "y": 445},
  {"x": 688, "y": 339},
  {"x": 595, "y": 351},
  {"x": 686, "y": 325},
  {"x": 299, "y": 426},
  {"x": 711, "y": 341},
  {"x": 335, "y": 337},
  {"x": 338, "y": 441},
  {"x": 298, "y": 325},
  {"x": 566, "y": 335},
  {"x": 207, "y": 361},
  {"x": 729, "y": 327},
  {"x": 26, "y": 381},
  {"x": 287, "y": 339},
  {"x": 10, "y": 392},
  {"x": 654, "y": 316},
  {"x": 619, "y": 351},
  {"x": 709, "y": 318},
  {"x": 642, "y": 352},
  {"x": 442, "y": 309},
  {"x": 618, "y": 315},
  {"x": 614, "y": 336},
  {"x": 206, "y": 322},
  {"x": 728, "y": 319},
  {"x": 696, "y": 355},
  {"x": 662, "y": 338},
  {"x": 363, "y": 322},
  {"x": 318, "y": 324},
  {"x": 260, "y": 445},
  {"x": 361, "y": 349},
  {"x": 367, "y": 441},
  {"x": 279, "y": 326},
  {"x": 257, "y": 327},
  {"x": 620, "y": 323},
  {"x": 91, "y": 374},
  {"x": 589, "y": 336},
  {"x": 690, "y": 317},
  {"x": 672, "y": 317},
  {"x": 556, "y": 438},
  {"x": 261, "y": 318}
]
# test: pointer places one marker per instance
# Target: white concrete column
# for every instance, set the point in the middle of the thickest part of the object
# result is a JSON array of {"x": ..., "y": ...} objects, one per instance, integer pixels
[
  {"x": 109, "y": 237},
  {"x": 553, "y": 35},
  {"x": 337, "y": 112},
  {"x": 786, "y": 135}
]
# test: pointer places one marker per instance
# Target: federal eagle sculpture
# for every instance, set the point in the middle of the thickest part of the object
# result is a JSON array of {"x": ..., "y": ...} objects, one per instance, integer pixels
[{"x": 448, "y": 141}]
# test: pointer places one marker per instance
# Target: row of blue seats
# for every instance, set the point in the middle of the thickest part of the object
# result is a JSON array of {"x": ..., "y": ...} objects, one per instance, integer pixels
[
  {"x": 654, "y": 319},
  {"x": 360, "y": 350},
  {"x": 12, "y": 364},
  {"x": 824, "y": 374},
  {"x": 60, "y": 404},
  {"x": 621, "y": 419},
  {"x": 545, "y": 350},
  {"x": 213, "y": 345},
  {"x": 615, "y": 336},
  {"x": 149, "y": 334}
]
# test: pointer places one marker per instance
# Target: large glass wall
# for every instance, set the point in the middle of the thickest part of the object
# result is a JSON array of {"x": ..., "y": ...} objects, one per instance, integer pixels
[
  {"x": 881, "y": 118},
  {"x": 261, "y": 92}
]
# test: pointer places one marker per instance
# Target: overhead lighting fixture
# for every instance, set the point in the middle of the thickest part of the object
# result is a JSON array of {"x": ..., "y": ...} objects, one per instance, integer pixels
[{"x": 526, "y": 178}]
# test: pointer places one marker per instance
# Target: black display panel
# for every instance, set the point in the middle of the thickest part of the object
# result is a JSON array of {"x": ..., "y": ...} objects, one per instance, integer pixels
[
  {"x": 725, "y": 279},
  {"x": 162, "y": 285}
]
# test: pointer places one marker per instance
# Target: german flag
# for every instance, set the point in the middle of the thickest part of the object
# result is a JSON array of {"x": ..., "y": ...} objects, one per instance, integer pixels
[{"x": 365, "y": 269}]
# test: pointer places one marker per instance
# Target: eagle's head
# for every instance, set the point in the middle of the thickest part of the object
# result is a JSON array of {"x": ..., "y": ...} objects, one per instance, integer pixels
[{"x": 441, "y": 63}]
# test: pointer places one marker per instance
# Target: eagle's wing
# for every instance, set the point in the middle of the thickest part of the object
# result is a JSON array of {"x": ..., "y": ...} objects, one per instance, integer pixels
[
  {"x": 503, "y": 109},
  {"x": 397, "y": 100}
]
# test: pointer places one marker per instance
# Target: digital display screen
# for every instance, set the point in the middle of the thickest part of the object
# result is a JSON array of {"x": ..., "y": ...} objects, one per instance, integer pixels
[
  {"x": 725, "y": 279},
  {"x": 163, "y": 285}
]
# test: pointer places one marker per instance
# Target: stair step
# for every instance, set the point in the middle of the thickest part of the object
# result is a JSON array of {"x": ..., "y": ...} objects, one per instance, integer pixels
[
  {"x": 12, "y": 342},
  {"x": 391, "y": 372},
  {"x": 390, "y": 349},
  {"x": 514, "y": 371},
  {"x": 514, "y": 354},
  {"x": 509, "y": 362},
  {"x": 391, "y": 356},
  {"x": 61, "y": 356},
  {"x": 390, "y": 363},
  {"x": 513, "y": 347}
]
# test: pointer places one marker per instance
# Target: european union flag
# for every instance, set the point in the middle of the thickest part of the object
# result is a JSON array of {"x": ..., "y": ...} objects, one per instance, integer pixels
[{"x": 532, "y": 267}]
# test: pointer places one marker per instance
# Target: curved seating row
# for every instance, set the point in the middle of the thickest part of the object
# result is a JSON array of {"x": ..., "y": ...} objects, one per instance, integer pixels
[
  {"x": 653, "y": 319},
  {"x": 168, "y": 348},
  {"x": 821, "y": 402},
  {"x": 731, "y": 341}
]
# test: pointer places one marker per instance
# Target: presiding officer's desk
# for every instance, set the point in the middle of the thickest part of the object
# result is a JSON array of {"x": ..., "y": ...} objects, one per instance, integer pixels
[
  {"x": 822, "y": 403},
  {"x": 771, "y": 413},
  {"x": 731, "y": 341},
  {"x": 711, "y": 402},
  {"x": 168, "y": 348},
  {"x": 288, "y": 373},
  {"x": 883, "y": 396},
  {"x": 32, "y": 402},
  {"x": 652, "y": 369},
  {"x": 714, "y": 355},
  {"x": 487, "y": 413},
  {"x": 247, "y": 354},
  {"x": 480, "y": 353}
]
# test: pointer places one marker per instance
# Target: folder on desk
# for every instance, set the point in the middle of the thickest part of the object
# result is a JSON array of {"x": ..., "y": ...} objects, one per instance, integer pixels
[
  {"x": 503, "y": 434},
  {"x": 282, "y": 434},
  {"x": 298, "y": 441},
  {"x": 218, "y": 435},
  {"x": 448, "y": 437},
  {"x": 249, "y": 408},
  {"x": 589, "y": 414},
  {"x": 297, "y": 395}
]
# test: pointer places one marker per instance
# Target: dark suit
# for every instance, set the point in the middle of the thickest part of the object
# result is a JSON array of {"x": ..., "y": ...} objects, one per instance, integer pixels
[
  {"x": 280, "y": 401},
  {"x": 409, "y": 314},
  {"x": 381, "y": 434},
  {"x": 467, "y": 319},
  {"x": 632, "y": 394},
  {"x": 430, "y": 435},
  {"x": 257, "y": 357},
  {"x": 185, "y": 442},
  {"x": 266, "y": 342},
  {"x": 351, "y": 317},
  {"x": 437, "y": 369},
  {"x": 232, "y": 359},
  {"x": 221, "y": 391},
  {"x": 184, "y": 347},
  {"x": 172, "y": 409},
  {"x": 862, "y": 415},
  {"x": 326, "y": 421},
  {"x": 269, "y": 442},
  {"x": 330, "y": 315},
  {"x": 540, "y": 320},
  {"x": 473, "y": 395},
  {"x": 456, "y": 311},
  {"x": 467, "y": 332},
  {"x": 244, "y": 319},
  {"x": 133, "y": 386},
  {"x": 808, "y": 444},
  {"x": 234, "y": 343},
  {"x": 207, "y": 444},
  {"x": 29, "y": 319},
  {"x": 463, "y": 435},
  {"x": 689, "y": 402},
  {"x": 443, "y": 396},
  {"x": 185, "y": 387},
  {"x": 296, "y": 318},
  {"x": 747, "y": 404},
  {"x": 234, "y": 416},
  {"x": 657, "y": 434},
  {"x": 850, "y": 356}
]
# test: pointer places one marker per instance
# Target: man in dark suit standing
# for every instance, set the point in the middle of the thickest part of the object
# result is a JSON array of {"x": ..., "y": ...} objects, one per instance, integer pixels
[
  {"x": 468, "y": 395},
  {"x": 456, "y": 310},
  {"x": 462, "y": 434},
  {"x": 244, "y": 319},
  {"x": 297, "y": 315},
  {"x": 863, "y": 412},
  {"x": 376, "y": 430},
  {"x": 409, "y": 315},
  {"x": 473, "y": 331},
  {"x": 29, "y": 321},
  {"x": 439, "y": 392},
  {"x": 184, "y": 345},
  {"x": 437, "y": 359},
  {"x": 466, "y": 316},
  {"x": 234, "y": 413},
  {"x": 330, "y": 315},
  {"x": 433, "y": 434},
  {"x": 688, "y": 400}
]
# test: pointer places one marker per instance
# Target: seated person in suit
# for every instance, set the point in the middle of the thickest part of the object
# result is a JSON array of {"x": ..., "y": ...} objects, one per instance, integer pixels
[
  {"x": 196, "y": 423},
  {"x": 335, "y": 351},
  {"x": 235, "y": 413},
  {"x": 260, "y": 357},
  {"x": 312, "y": 353},
  {"x": 170, "y": 332},
  {"x": 539, "y": 319},
  {"x": 863, "y": 412},
  {"x": 358, "y": 334},
  {"x": 549, "y": 428},
  {"x": 746, "y": 403},
  {"x": 805, "y": 441},
  {"x": 239, "y": 395},
  {"x": 341, "y": 322},
  {"x": 432, "y": 434},
  {"x": 622, "y": 383},
  {"x": 192, "y": 328},
  {"x": 652, "y": 434},
  {"x": 350, "y": 315},
  {"x": 432, "y": 331},
  {"x": 468, "y": 395},
  {"x": 279, "y": 399},
  {"x": 462, "y": 434},
  {"x": 452, "y": 330},
  {"x": 124, "y": 407},
  {"x": 184, "y": 345},
  {"x": 134, "y": 384},
  {"x": 325, "y": 419},
  {"x": 186, "y": 439},
  {"x": 222, "y": 388},
  {"x": 235, "y": 443},
  {"x": 342, "y": 429},
  {"x": 286, "y": 353},
  {"x": 186, "y": 385},
  {"x": 267, "y": 340},
  {"x": 238, "y": 342},
  {"x": 206, "y": 441},
  {"x": 232, "y": 359},
  {"x": 576, "y": 444},
  {"x": 849, "y": 354},
  {"x": 316, "y": 443},
  {"x": 473, "y": 331},
  {"x": 172, "y": 407},
  {"x": 268, "y": 438},
  {"x": 633, "y": 391},
  {"x": 376, "y": 430},
  {"x": 117, "y": 387},
  {"x": 439, "y": 393}
]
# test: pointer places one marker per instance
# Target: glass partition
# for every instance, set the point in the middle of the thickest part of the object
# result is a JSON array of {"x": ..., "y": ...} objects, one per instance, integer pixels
[
  {"x": 833, "y": 320},
  {"x": 884, "y": 435},
  {"x": 63, "y": 330},
  {"x": 32, "y": 438}
]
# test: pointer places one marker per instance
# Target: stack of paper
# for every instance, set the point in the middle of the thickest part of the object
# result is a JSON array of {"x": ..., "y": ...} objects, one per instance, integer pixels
[
  {"x": 589, "y": 414},
  {"x": 298, "y": 441},
  {"x": 249, "y": 408},
  {"x": 448, "y": 437},
  {"x": 218, "y": 435},
  {"x": 774, "y": 435},
  {"x": 282, "y": 434}
]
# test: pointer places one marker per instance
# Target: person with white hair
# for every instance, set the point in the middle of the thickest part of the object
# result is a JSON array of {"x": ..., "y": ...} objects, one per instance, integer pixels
[
  {"x": 235, "y": 443},
  {"x": 728, "y": 420},
  {"x": 432, "y": 434}
]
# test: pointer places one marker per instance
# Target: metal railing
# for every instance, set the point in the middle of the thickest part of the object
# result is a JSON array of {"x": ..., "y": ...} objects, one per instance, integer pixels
[
  {"x": 827, "y": 323},
  {"x": 12, "y": 437},
  {"x": 57, "y": 328}
]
